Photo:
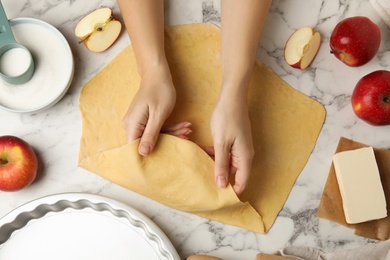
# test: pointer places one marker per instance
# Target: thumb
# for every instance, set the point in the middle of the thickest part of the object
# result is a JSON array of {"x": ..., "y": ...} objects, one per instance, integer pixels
[
  {"x": 221, "y": 166},
  {"x": 149, "y": 136}
]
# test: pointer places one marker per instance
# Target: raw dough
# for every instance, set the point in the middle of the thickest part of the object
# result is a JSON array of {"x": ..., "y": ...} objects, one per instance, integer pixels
[{"x": 285, "y": 126}]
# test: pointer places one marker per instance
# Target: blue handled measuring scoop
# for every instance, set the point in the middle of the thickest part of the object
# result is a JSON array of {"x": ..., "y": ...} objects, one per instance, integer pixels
[{"x": 8, "y": 53}]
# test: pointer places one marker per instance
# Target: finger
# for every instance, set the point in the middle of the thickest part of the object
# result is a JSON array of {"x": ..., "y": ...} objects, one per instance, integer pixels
[
  {"x": 232, "y": 170},
  {"x": 134, "y": 133},
  {"x": 242, "y": 175},
  {"x": 150, "y": 136},
  {"x": 209, "y": 150},
  {"x": 134, "y": 127},
  {"x": 222, "y": 163},
  {"x": 183, "y": 137},
  {"x": 179, "y": 132},
  {"x": 175, "y": 127}
]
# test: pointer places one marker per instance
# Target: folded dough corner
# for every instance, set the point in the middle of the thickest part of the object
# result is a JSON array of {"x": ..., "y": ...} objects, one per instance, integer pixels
[{"x": 179, "y": 174}]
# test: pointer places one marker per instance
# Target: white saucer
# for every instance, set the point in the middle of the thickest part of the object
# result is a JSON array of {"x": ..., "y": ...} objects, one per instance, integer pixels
[{"x": 54, "y": 68}]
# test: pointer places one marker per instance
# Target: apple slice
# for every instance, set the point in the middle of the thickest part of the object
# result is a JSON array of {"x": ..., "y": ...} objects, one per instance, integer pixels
[
  {"x": 98, "y": 30},
  {"x": 302, "y": 47}
]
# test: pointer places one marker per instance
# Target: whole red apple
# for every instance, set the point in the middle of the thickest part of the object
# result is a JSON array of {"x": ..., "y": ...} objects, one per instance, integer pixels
[
  {"x": 18, "y": 163},
  {"x": 371, "y": 98},
  {"x": 355, "y": 40}
]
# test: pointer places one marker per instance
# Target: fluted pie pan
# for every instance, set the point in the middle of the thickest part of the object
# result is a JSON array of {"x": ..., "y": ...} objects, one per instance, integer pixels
[{"x": 81, "y": 226}]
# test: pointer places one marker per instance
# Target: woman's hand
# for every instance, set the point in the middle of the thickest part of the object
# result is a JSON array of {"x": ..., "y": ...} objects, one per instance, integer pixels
[
  {"x": 151, "y": 106},
  {"x": 233, "y": 146}
]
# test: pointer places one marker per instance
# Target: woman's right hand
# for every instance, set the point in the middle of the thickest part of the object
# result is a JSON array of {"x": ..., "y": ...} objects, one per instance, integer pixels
[{"x": 151, "y": 106}]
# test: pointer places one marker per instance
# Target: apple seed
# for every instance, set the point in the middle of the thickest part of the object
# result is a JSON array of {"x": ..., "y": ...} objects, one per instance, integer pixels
[{"x": 3, "y": 162}]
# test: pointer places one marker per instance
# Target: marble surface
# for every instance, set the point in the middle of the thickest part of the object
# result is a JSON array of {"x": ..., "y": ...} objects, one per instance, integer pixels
[{"x": 55, "y": 133}]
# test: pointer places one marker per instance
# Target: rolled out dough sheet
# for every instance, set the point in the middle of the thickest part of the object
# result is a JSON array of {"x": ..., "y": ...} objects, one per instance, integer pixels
[{"x": 178, "y": 174}]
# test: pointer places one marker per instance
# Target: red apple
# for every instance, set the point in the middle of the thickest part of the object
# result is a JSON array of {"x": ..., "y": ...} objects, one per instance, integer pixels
[
  {"x": 355, "y": 40},
  {"x": 371, "y": 98},
  {"x": 18, "y": 163},
  {"x": 302, "y": 47}
]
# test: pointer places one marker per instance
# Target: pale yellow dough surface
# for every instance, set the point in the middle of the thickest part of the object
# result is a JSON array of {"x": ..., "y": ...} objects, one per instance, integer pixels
[{"x": 285, "y": 126}]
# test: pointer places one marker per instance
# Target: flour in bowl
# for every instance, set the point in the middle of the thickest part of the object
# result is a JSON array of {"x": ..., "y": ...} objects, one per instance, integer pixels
[
  {"x": 15, "y": 62},
  {"x": 53, "y": 67}
]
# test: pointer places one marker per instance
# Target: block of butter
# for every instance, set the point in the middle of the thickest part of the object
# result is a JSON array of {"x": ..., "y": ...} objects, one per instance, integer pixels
[{"x": 360, "y": 185}]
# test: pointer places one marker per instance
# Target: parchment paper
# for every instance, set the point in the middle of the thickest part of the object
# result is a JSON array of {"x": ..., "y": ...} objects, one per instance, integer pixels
[{"x": 331, "y": 206}]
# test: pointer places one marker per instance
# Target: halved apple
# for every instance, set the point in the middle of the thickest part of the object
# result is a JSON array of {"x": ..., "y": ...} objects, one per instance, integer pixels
[
  {"x": 98, "y": 30},
  {"x": 302, "y": 47}
]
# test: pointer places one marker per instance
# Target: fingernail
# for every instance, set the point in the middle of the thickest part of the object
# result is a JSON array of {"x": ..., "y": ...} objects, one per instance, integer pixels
[
  {"x": 221, "y": 181},
  {"x": 144, "y": 149}
]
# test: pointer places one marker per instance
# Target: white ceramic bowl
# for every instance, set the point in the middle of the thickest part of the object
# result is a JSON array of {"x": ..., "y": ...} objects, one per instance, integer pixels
[{"x": 54, "y": 68}]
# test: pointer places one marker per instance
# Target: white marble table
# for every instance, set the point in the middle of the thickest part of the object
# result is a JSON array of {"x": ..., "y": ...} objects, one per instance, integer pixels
[{"x": 55, "y": 133}]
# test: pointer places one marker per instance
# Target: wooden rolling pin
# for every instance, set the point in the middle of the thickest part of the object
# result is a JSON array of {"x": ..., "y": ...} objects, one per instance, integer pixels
[
  {"x": 203, "y": 257},
  {"x": 258, "y": 257}
]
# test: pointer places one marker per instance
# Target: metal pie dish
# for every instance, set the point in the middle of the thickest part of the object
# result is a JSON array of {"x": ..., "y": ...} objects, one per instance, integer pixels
[
  {"x": 65, "y": 225},
  {"x": 54, "y": 68}
]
